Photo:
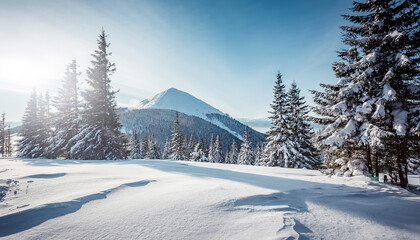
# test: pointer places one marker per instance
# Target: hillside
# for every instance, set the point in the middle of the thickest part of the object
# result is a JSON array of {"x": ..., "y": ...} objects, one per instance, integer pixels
[{"x": 160, "y": 122}]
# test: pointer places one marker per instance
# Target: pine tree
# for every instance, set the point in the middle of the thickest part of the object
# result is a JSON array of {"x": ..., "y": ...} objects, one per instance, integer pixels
[
  {"x": 258, "y": 153},
  {"x": 44, "y": 128},
  {"x": 374, "y": 106},
  {"x": 167, "y": 149},
  {"x": 233, "y": 154},
  {"x": 216, "y": 153},
  {"x": 100, "y": 136},
  {"x": 28, "y": 145},
  {"x": 66, "y": 120},
  {"x": 144, "y": 146},
  {"x": 211, "y": 149},
  {"x": 278, "y": 136},
  {"x": 198, "y": 155},
  {"x": 154, "y": 149},
  {"x": 134, "y": 146},
  {"x": 177, "y": 142},
  {"x": 300, "y": 152},
  {"x": 191, "y": 145},
  {"x": 246, "y": 154}
]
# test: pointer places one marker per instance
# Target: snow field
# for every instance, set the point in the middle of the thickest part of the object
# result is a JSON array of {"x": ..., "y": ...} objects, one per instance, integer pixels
[{"x": 159, "y": 199}]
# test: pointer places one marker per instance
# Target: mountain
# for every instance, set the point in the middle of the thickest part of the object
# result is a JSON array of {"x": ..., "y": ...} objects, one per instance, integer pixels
[
  {"x": 160, "y": 122},
  {"x": 157, "y": 115},
  {"x": 180, "y": 101},
  {"x": 174, "y": 99},
  {"x": 259, "y": 124}
]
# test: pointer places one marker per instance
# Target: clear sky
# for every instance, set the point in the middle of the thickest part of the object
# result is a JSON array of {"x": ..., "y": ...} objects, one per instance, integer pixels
[{"x": 226, "y": 52}]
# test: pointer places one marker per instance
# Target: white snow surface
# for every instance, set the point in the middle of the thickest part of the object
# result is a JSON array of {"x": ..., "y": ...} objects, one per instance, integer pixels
[
  {"x": 160, "y": 199},
  {"x": 180, "y": 101}
]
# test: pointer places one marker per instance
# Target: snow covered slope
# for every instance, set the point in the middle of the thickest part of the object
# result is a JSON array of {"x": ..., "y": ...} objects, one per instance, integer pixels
[
  {"x": 158, "y": 199},
  {"x": 174, "y": 99},
  {"x": 180, "y": 101}
]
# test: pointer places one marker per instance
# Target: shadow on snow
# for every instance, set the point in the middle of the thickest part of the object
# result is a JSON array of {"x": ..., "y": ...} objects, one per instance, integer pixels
[{"x": 21, "y": 221}]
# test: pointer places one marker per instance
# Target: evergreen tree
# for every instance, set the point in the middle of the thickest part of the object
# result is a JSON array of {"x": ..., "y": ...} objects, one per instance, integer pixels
[
  {"x": 191, "y": 145},
  {"x": 167, "y": 149},
  {"x": 177, "y": 142},
  {"x": 211, "y": 149},
  {"x": 144, "y": 146},
  {"x": 258, "y": 153},
  {"x": 100, "y": 136},
  {"x": 277, "y": 139},
  {"x": 134, "y": 146},
  {"x": 374, "y": 106},
  {"x": 246, "y": 154},
  {"x": 28, "y": 144},
  {"x": 154, "y": 149},
  {"x": 216, "y": 154},
  {"x": 43, "y": 127},
  {"x": 233, "y": 154},
  {"x": 300, "y": 152},
  {"x": 198, "y": 155},
  {"x": 66, "y": 119}
]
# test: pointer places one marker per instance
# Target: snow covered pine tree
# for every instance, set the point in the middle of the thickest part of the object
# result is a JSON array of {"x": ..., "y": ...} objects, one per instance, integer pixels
[
  {"x": 246, "y": 154},
  {"x": 177, "y": 142},
  {"x": 100, "y": 136},
  {"x": 134, "y": 146},
  {"x": 28, "y": 145},
  {"x": 198, "y": 155},
  {"x": 375, "y": 105},
  {"x": 301, "y": 152},
  {"x": 278, "y": 135},
  {"x": 66, "y": 119}
]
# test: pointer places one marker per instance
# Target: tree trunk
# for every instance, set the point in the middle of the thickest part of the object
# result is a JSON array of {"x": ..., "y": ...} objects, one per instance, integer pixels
[{"x": 369, "y": 159}]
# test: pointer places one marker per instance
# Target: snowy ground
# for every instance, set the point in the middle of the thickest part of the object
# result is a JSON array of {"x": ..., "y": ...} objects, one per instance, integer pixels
[{"x": 155, "y": 199}]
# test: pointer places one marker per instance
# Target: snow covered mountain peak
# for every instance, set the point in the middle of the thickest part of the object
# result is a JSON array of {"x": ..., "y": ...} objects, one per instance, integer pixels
[{"x": 180, "y": 101}]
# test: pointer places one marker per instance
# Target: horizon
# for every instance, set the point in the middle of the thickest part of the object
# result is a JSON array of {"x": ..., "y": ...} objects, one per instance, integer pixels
[{"x": 224, "y": 53}]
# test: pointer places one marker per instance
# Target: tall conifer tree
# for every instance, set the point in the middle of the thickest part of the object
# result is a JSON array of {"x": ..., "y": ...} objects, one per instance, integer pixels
[{"x": 100, "y": 136}]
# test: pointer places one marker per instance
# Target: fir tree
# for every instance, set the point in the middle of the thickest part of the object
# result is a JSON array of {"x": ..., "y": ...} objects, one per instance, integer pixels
[
  {"x": 134, "y": 146},
  {"x": 28, "y": 144},
  {"x": 374, "y": 106},
  {"x": 100, "y": 136},
  {"x": 300, "y": 152},
  {"x": 144, "y": 146},
  {"x": 66, "y": 119},
  {"x": 211, "y": 149},
  {"x": 216, "y": 154},
  {"x": 191, "y": 145},
  {"x": 177, "y": 142},
  {"x": 198, "y": 155},
  {"x": 43, "y": 127},
  {"x": 167, "y": 149},
  {"x": 154, "y": 149},
  {"x": 258, "y": 153},
  {"x": 278, "y": 136},
  {"x": 233, "y": 154},
  {"x": 246, "y": 154}
]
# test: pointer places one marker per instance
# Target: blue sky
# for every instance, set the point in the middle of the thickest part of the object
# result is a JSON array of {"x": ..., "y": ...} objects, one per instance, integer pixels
[{"x": 226, "y": 53}]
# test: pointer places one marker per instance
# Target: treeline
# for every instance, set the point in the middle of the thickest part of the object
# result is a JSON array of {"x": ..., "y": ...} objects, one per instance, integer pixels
[
  {"x": 84, "y": 124},
  {"x": 180, "y": 147},
  {"x": 6, "y": 147}
]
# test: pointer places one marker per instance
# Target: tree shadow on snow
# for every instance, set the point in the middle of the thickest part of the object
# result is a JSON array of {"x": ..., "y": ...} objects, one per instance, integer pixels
[
  {"x": 21, "y": 221},
  {"x": 389, "y": 208}
]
